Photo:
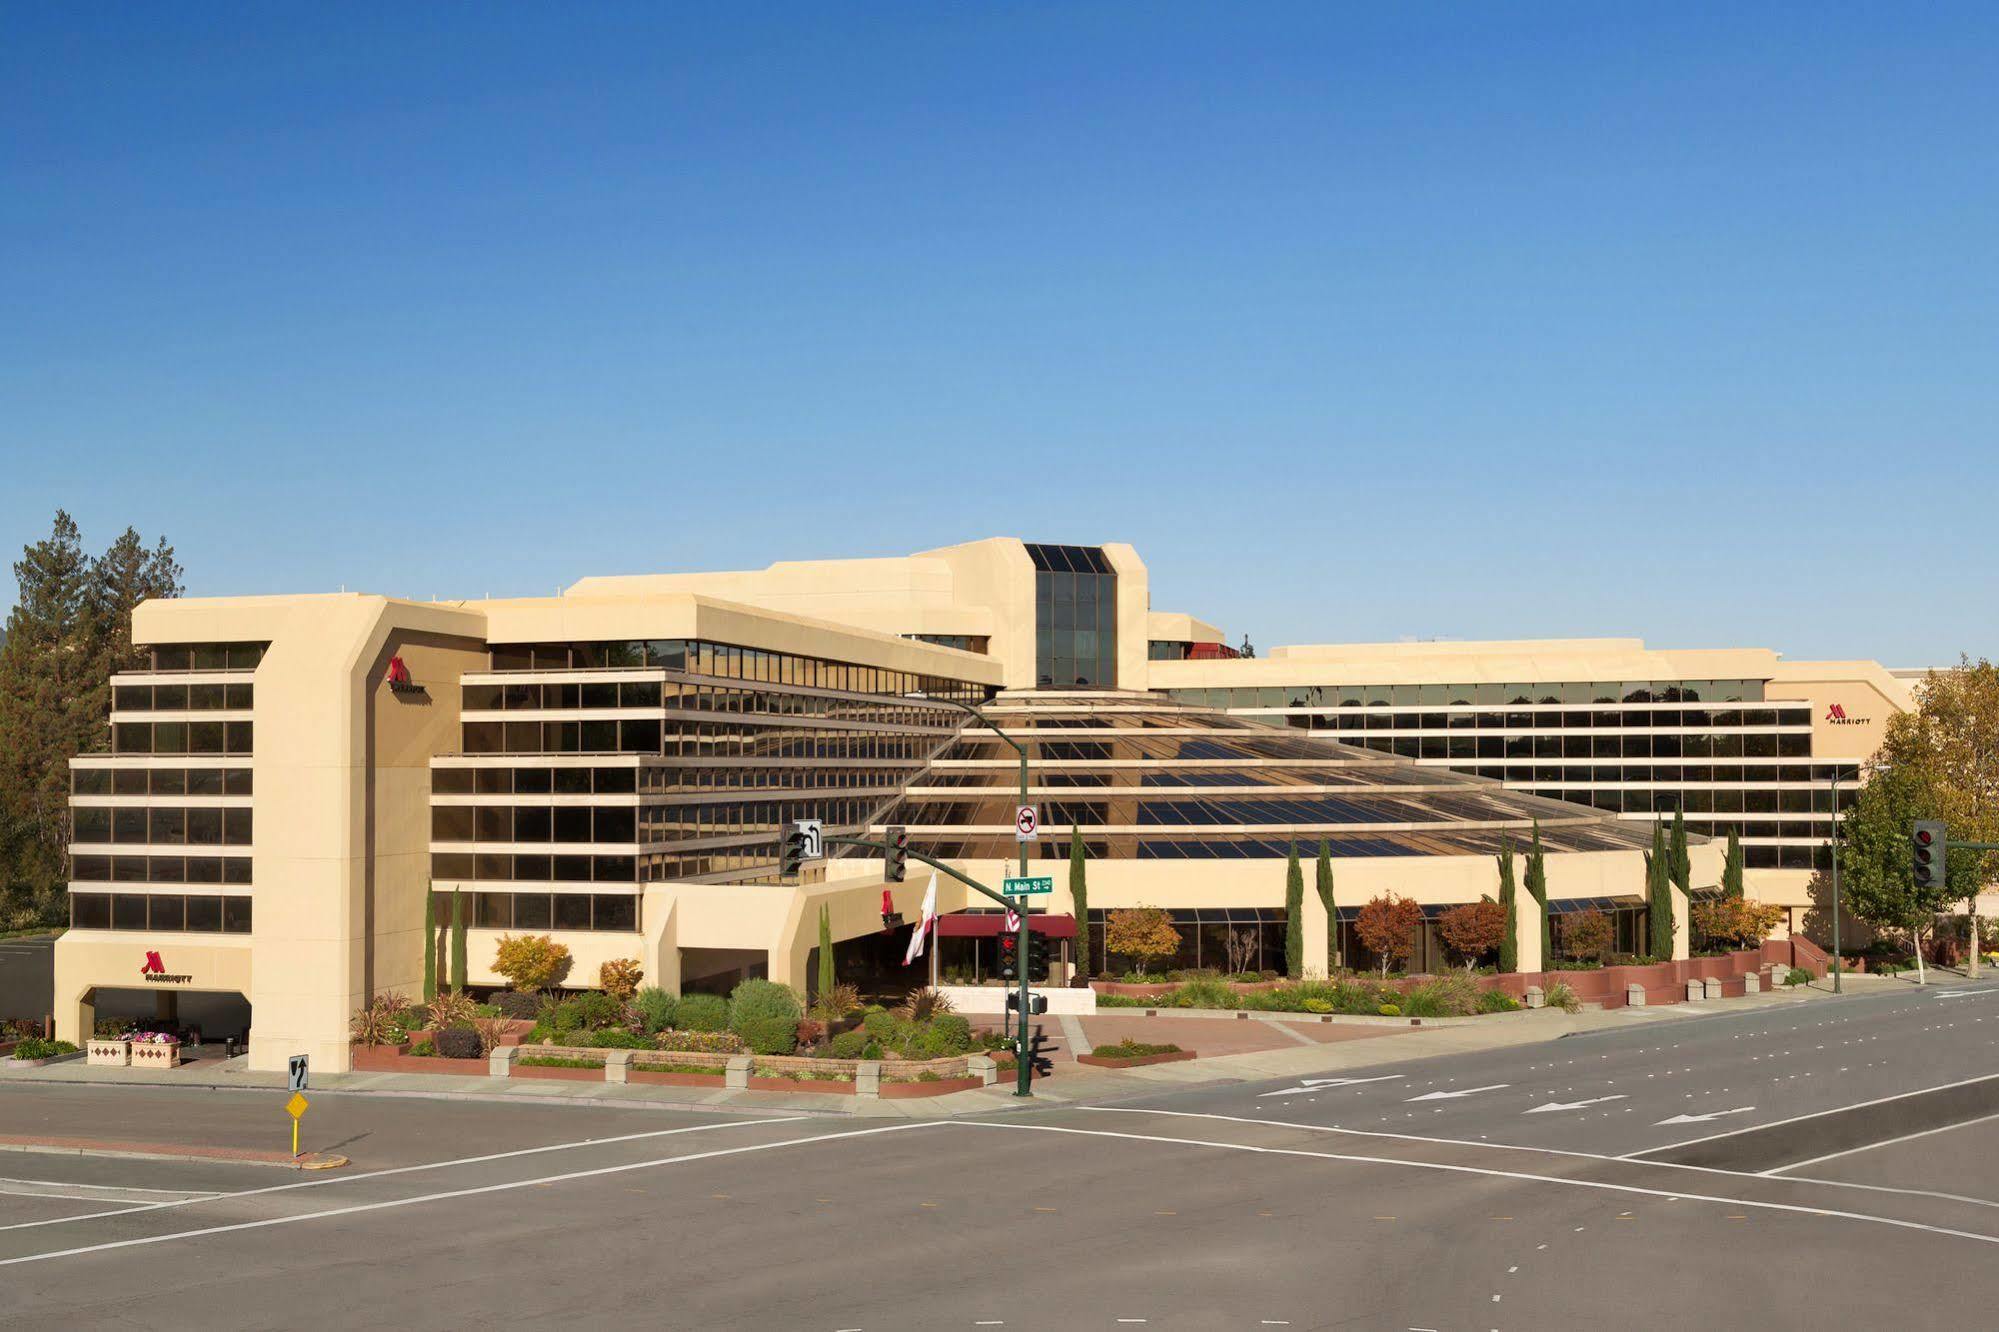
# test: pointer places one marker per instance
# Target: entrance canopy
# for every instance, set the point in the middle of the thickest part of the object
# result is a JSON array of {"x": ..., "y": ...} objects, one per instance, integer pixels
[{"x": 991, "y": 924}]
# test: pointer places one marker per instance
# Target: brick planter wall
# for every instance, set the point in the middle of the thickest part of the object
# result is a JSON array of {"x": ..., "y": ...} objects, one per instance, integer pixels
[
  {"x": 897, "y": 1091},
  {"x": 552, "y": 1073}
]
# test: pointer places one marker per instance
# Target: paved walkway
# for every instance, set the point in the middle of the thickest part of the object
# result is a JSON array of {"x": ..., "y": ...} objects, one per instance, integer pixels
[{"x": 1233, "y": 1049}]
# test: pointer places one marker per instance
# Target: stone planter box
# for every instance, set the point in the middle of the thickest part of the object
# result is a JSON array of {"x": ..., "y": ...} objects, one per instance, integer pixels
[
  {"x": 896, "y": 1091},
  {"x": 106, "y": 1053},
  {"x": 1100, "y": 1061},
  {"x": 145, "y": 1054}
]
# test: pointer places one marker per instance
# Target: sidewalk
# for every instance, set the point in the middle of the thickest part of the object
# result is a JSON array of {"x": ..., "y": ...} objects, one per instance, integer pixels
[{"x": 1286, "y": 1045}]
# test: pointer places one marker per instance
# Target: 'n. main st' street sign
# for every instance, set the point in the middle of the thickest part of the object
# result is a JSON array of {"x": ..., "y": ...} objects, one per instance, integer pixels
[{"x": 1027, "y": 887}]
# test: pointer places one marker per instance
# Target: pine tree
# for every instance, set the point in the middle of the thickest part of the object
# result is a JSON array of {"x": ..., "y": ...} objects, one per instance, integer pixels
[
  {"x": 458, "y": 970},
  {"x": 827, "y": 971},
  {"x": 429, "y": 946},
  {"x": 1509, "y": 946},
  {"x": 120, "y": 579},
  {"x": 1325, "y": 889},
  {"x": 53, "y": 702},
  {"x": 1659, "y": 893},
  {"x": 1731, "y": 869},
  {"x": 1537, "y": 888},
  {"x": 1294, "y": 917},
  {"x": 1079, "y": 897}
]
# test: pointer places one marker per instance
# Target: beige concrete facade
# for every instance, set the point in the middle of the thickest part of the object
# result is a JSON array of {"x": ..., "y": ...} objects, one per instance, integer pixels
[{"x": 344, "y": 768}]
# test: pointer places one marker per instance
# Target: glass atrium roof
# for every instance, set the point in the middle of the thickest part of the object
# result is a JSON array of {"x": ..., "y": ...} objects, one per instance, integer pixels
[{"x": 1150, "y": 778}]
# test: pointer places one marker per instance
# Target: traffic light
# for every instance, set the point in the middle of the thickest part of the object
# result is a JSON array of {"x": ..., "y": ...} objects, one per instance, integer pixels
[
  {"x": 1931, "y": 848},
  {"x": 1037, "y": 956},
  {"x": 791, "y": 852},
  {"x": 1037, "y": 1004},
  {"x": 1009, "y": 957},
  {"x": 896, "y": 863}
]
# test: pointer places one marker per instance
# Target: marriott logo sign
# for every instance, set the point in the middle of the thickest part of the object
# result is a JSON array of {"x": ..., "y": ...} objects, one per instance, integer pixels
[
  {"x": 155, "y": 971},
  {"x": 1836, "y": 714}
]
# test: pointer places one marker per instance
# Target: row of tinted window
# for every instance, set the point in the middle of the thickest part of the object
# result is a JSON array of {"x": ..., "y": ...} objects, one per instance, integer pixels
[
  {"x": 694, "y": 740},
  {"x": 728, "y": 662},
  {"x": 205, "y": 656},
  {"x": 1732, "y": 744},
  {"x": 1477, "y": 695},
  {"x": 500, "y": 867},
  {"x": 236, "y": 737},
  {"x": 160, "y": 869},
  {"x": 554, "y": 911},
  {"x": 534, "y": 781},
  {"x": 1049, "y": 558},
  {"x": 1670, "y": 774},
  {"x": 181, "y": 698},
  {"x": 527, "y": 823},
  {"x": 96, "y": 781},
  {"x": 1602, "y": 719},
  {"x": 963, "y": 642},
  {"x": 197, "y": 913},
  {"x": 158, "y": 826}
]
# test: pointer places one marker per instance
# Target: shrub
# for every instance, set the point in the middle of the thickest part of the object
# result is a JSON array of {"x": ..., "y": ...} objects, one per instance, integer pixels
[
  {"x": 1388, "y": 925},
  {"x": 1798, "y": 976},
  {"x": 559, "y": 1061},
  {"x": 620, "y": 977},
  {"x": 1318, "y": 1005},
  {"x": 765, "y": 1014},
  {"x": 595, "y": 1009},
  {"x": 514, "y": 1004},
  {"x": 36, "y": 1047},
  {"x": 922, "y": 1005},
  {"x": 882, "y": 1025},
  {"x": 872, "y": 1050},
  {"x": 489, "y": 1031},
  {"x": 1134, "y": 1050},
  {"x": 458, "y": 1043},
  {"x": 424, "y": 1049},
  {"x": 700, "y": 1042},
  {"x": 947, "y": 1034},
  {"x": 1203, "y": 992},
  {"x": 617, "y": 1038},
  {"x": 1561, "y": 996},
  {"x": 1497, "y": 1001},
  {"x": 847, "y": 1045},
  {"x": 701, "y": 1012},
  {"x": 810, "y": 1030},
  {"x": 1455, "y": 995},
  {"x": 375, "y": 1024},
  {"x": 531, "y": 961},
  {"x": 1389, "y": 1010},
  {"x": 451, "y": 1008},
  {"x": 654, "y": 1009},
  {"x": 1587, "y": 936},
  {"x": 835, "y": 1003}
]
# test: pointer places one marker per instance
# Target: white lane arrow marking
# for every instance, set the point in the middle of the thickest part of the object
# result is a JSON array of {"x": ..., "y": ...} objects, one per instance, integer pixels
[
  {"x": 1453, "y": 1095},
  {"x": 1315, "y": 1084},
  {"x": 1702, "y": 1119},
  {"x": 1574, "y": 1105},
  {"x": 1959, "y": 994}
]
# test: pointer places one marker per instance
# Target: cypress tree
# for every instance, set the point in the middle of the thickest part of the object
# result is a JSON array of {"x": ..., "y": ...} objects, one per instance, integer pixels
[
  {"x": 457, "y": 940},
  {"x": 1509, "y": 945},
  {"x": 1325, "y": 889},
  {"x": 1678, "y": 860},
  {"x": 827, "y": 972},
  {"x": 1294, "y": 916},
  {"x": 1537, "y": 888},
  {"x": 1659, "y": 893},
  {"x": 1079, "y": 896},
  {"x": 1731, "y": 869},
  {"x": 429, "y": 945}
]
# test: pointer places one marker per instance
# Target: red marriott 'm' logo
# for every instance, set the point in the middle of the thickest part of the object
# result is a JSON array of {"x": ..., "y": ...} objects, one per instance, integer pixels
[
  {"x": 399, "y": 678},
  {"x": 1836, "y": 714},
  {"x": 153, "y": 967}
]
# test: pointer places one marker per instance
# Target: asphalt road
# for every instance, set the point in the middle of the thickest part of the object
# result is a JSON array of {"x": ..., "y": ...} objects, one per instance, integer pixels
[{"x": 1223, "y": 1208}]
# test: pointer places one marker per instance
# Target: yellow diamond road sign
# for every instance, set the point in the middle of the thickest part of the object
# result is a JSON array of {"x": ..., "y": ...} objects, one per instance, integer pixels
[{"x": 296, "y": 1105}]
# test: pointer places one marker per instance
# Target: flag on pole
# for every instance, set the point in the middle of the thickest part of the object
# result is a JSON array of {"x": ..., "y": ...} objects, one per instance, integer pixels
[{"x": 926, "y": 922}]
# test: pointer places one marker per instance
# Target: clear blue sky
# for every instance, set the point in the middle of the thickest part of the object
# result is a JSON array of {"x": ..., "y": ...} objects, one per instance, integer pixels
[{"x": 1360, "y": 321}]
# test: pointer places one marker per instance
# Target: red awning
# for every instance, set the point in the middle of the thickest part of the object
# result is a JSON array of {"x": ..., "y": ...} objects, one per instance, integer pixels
[{"x": 960, "y": 925}]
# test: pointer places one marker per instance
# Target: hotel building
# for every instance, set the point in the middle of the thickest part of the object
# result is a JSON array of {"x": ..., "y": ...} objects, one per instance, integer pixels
[{"x": 291, "y": 778}]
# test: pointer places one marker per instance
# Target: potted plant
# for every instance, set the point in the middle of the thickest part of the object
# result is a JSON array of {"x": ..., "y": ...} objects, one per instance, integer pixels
[
  {"x": 110, "y": 1051},
  {"x": 155, "y": 1049}
]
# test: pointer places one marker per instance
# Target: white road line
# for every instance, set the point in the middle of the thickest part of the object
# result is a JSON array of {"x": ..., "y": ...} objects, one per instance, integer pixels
[
  {"x": 108, "y": 1188},
  {"x": 1885, "y": 1142},
  {"x": 411, "y": 1169},
  {"x": 1454, "y": 1095},
  {"x": 1816, "y": 1114},
  {"x": 450, "y": 1194},
  {"x": 1522, "y": 1176}
]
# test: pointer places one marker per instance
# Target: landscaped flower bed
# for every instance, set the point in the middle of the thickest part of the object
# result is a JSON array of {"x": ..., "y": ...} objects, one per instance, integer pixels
[
  {"x": 1134, "y": 1054},
  {"x": 153, "y": 1049},
  {"x": 567, "y": 1066},
  {"x": 34, "y": 1051}
]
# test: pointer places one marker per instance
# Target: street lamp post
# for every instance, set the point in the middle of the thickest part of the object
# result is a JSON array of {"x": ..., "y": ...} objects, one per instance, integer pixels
[{"x": 1023, "y": 1072}]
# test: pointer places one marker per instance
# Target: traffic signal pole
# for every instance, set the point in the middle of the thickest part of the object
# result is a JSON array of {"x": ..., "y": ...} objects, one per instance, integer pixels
[{"x": 1023, "y": 1070}]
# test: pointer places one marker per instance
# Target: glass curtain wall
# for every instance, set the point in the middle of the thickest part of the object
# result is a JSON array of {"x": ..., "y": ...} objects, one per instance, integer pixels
[{"x": 1075, "y": 617}]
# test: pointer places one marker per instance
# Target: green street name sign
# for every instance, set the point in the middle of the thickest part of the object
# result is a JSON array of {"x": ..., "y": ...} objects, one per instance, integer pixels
[{"x": 1026, "y": 887}]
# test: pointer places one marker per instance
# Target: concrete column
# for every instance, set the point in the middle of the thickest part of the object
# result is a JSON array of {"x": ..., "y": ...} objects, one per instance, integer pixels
[
  {"x": 1682, "y": 926},
  {"x": 500, "y": 1063},
  {"x": 1751, "y": 982},
  {"x": 736, "y": 1077},
  {"x": 166, "y": 1005},
  {"x": 868, "y": 1080},
  {"x": 1527, "y": 923},
  {"x": 1711, "y": 988},
  {"x": 1634, "y": 996},
  {"x": 1313, "y": 918},
  {"x": 983, "y": 1068},
  {"x": 1695, "y": 991},
  {"x": 1533, "y": 998},
  {"x": 617, "y": 1064}
]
